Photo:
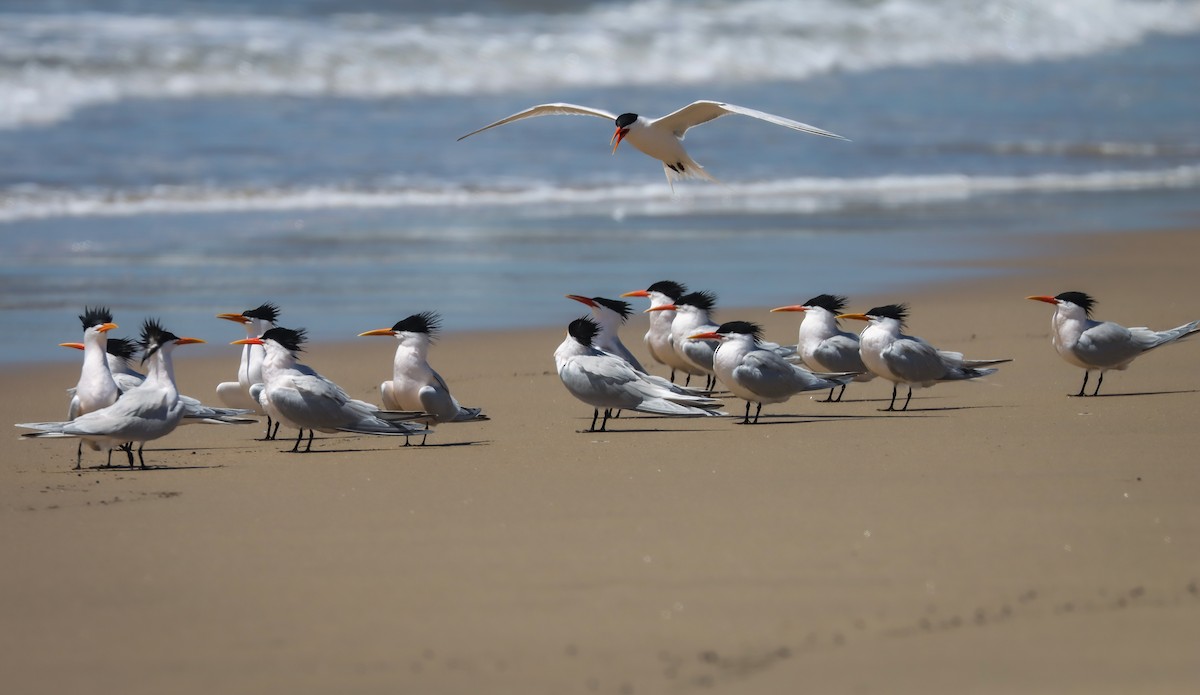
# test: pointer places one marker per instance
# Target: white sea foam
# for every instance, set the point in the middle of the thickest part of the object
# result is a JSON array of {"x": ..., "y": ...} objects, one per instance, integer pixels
[
  {"x": 790, "y": 196},
  {"x": 54, "y": 64}
]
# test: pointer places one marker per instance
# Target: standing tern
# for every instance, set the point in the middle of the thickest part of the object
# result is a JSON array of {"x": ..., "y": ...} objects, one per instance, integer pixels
[
  {"x": 661, "y": 138},
  {"x": 236, "y": 394},
  {"x": 302, "y": 398},
  {"x": 96, "y": 388},
  {"x": 604, "y": 381},
  {"x": 905, "y": 359},
  {"x": 414, "y": 385},
  {"x": 756, "y": 375},
  {"x": 823, "y": 346},
  {"x": 692, "y": 315},
  {"x": 610, "y": 314},
  {"x": 145, "y": 413},
  {"x": 1101, "y": 345},
  {"x": 658, "y": 337}
]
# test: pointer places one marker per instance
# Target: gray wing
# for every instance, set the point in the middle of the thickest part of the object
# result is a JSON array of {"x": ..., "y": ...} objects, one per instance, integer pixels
[
  {"x": 914, "y": 360},
  {"x": 772, "y": 377},
  {"x": 839, "y": 353},
  {"x": 547, "y": 110},
  {"x": 1108, "y": 344},
  {"x": 699, "y": 112}
]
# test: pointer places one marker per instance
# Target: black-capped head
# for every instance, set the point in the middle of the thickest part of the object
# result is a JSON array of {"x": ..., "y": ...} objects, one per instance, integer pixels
[
  {"x": 616, "y": 305},
  {"x": 703, "y": 300},
  {"x": 832, "y": 303},
  {"x": 626, "y": 119},
  {"x": 428, "y": 322},
  {"x": 1080, "y": 298},
  {"x": 154, "y": 336},
  {"x": 123, "y": 348},
  {"x": 898, "y": 312},
  {"x": 95, "y": 316},
  {"x": 741, "y": 328},
  {"x": 265, "y": 312},
  {"x": 672, "y": 289},
  {"x": 290, "y": 339},
  {"x": 583, "y": 330}
]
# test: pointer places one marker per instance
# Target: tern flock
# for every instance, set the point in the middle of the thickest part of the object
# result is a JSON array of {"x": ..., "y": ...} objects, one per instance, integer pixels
[{"x": 113, "y": 406}]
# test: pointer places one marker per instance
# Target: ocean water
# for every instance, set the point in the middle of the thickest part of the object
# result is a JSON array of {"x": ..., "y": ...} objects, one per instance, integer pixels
[{"x": 181, "y": 158}]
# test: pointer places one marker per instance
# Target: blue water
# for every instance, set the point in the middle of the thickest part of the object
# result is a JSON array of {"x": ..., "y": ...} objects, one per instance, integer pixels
[{"x": 181, "y": 159}]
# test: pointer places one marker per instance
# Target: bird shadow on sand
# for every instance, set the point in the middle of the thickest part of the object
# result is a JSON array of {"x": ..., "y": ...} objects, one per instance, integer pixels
[
  {"x": 638, "y": 430},
  {"x": 1135, "y": 393},
  {"x": 382, "y": 449}
]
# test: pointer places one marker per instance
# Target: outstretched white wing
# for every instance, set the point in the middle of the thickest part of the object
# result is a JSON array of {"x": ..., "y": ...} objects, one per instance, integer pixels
[
  {"x": 547, "y": 110},
  {"x": 699, "y": 112}
]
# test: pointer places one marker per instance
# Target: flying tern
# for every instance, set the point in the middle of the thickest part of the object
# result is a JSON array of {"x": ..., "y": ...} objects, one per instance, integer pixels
[
  {"x": 658, "y": 337},
  {"x": 236, "y": 394},
  {"x": 661, "y": 138},
  {"x": 1101, "y": 345},
  {"x": 756, "y": 375},
  {"x": 604, "y": 381},
  {"x": 905, "y": 359},
  {"x": 304, "y": 399},
  {"x": 145, "y": 413},
  {"x": 823, "y": 346},
  {"x": 414, "y": 385}
]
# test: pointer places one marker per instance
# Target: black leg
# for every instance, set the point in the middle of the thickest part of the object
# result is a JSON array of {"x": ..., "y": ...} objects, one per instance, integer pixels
[
  {"x": 128, "y": 447},
  {"x": 595, "y": 415},
  {"x": 688, "y": 381},
  {"x": 423, "y": 436},
  {"x": 829, "y": 398},
  {"x": 310, "y": 436},
  {"x": 840, "y": 393},
  {"x": 892, "y": 405},
  {"x": 141, "y": 461},
  {"x": 746, "y": 418},
  {"x": 267, "y": 436},
  {"x": 672, "y": 375},
  {"x": 1099, "y": 381},
  {"x": 907, "y": 398},
  {"x": 79, "y": 456},
  {"x": 756, "y": 412},
  {"x": 1084, "y": 386},
  {"x": 296, "y": 446},
  {"x": 604, "y": 422}
]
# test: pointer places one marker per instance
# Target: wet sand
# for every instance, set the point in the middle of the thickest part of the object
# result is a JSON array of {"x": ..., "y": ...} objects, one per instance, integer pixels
[{"x": 998, "y": 537}]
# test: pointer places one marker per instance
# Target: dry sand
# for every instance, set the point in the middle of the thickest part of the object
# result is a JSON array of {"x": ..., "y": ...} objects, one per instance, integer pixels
[{"x": 999, "y": 537}]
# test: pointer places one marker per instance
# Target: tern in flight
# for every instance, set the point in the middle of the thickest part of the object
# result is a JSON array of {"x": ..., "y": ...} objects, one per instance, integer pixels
[
  {"x": 906, "y": 359},
  {"x": 1101, "y": 345},
  {"x": 757, "y": 375},
  {"x": 822, "y": 345},
  {"x": 661, "y": 138}
]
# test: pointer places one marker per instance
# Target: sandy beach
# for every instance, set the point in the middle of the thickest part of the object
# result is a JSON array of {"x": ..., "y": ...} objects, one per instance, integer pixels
[{"x": 999, "y": 537}]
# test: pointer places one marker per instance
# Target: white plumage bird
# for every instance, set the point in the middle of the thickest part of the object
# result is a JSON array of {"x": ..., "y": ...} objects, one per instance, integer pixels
[
  {"x": 661, "y": 138},
  {"x": 610, "y": 314},
  {"x": 906, "y": 359},
  {"x": 236, "y": 394},
  {"x": 604, "y": 381},
  {"x": 148, "y": 412},
  {"x": 414, "y": 385},
  {"x": 1101, "y": 345},
  {"x": 758, "y": 375},
  {"x": 658, "y": 336},
  {"x": 822, "y": 345}
]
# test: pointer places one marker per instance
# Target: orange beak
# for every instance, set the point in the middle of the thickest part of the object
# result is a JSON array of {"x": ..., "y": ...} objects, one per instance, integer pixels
[
  {"x": 857, "y": 317},
  {"x": 617, "y": 137},
  {"x": 77, "y": 346},
  {"x": 794, "y": 307},
  {"x": 188, "y": 341},
  {"x": 637, "y": 293},
  {"x": 583, "y": 300},
  {"x": 238, "y": 318},
  {"x": 377, "y": 331},
  {"x": 664, "y": 307},
  {"x": 708, "y": 335},
  {"x": 1043, "y": 298},
  {"x": 248, "y": 341}
]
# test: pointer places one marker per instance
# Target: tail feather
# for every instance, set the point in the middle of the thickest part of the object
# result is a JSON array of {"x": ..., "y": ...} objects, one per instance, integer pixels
[
  {"x": 661, "y": 406},
  {"x": 1175, "y": 334}
]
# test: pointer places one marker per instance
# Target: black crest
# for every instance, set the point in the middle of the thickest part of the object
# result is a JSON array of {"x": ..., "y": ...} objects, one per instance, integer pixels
[
  {"x": 154, "y": 336},
  {"x": 616, "y": 305},
  {"x": 830, "y": 302},
  {"x": 583, "y": 330},
  {"x": 122, "y": 347},
  {"x": 702, "y": 300},
  {"x": 428, "y": 322},
  {"x": 1082, "y": 299},
  {"x": 292, "y": 340},
  {"x": 742, "y": 327},
  {"x": 626, "y": 119},
  {"x": 265, "y": 312},
  {"x": 891, "y": 311},
  {"x": 94, "y": 316},
  {"x": 672, "y": 289}
]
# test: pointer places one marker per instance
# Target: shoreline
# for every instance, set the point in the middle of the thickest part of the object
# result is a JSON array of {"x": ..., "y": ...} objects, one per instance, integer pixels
[{"x": 999, "y": 537}]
